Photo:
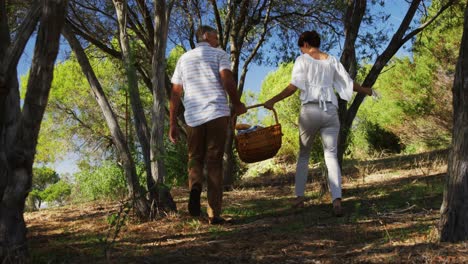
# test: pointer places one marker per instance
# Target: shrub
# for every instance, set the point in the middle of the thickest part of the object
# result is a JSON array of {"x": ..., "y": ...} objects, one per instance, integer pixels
[
  {"x": 106, "y": 181},
  {"x": 381, "y": 140},
  {"x": 58, "y": 192}
]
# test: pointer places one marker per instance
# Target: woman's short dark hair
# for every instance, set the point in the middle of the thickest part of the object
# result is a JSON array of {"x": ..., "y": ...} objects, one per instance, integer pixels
[
  {"x": 310, "y": 37},
  {"x": 200, "y": 34}
]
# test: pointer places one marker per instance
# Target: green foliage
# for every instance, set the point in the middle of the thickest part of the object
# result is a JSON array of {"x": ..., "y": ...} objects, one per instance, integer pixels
[
  {"x": 73, "y": 120},
  {"x": 47, "y": 186},
  {"x": 176, "y": 159},
  {"x": 253, "y": 114},
  {"x": 416, "y": 102},
  {"x": 288, "y": 109},
  {"x": 43, "y": 177},
  {"x": 106, "y": 181},
  {"x": 58, "y": 192},
  {"x": 172, "y": 59}
]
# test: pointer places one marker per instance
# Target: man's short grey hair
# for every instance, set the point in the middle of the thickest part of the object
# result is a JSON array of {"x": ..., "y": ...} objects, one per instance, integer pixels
[{"x": 201, "y": 32}]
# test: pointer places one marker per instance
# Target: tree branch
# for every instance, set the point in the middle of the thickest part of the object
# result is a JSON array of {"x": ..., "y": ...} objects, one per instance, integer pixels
[
  {"x": 257, "y": 47},
  {"x": 95, "y": 9},
  {"x": 397, "y": 41},
  {"x": 102, "y": 46},
  {"x": 218, "y": 22},
  {"x": 146, "y": 18},
  {"x": 138, "y": 28},
  {"x": 427, "y": 23},
  {"x": 25, "y": 31}
]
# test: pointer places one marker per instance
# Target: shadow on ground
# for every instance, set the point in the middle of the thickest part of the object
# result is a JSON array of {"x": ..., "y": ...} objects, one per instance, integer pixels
[{"x": 392, "y": 220}]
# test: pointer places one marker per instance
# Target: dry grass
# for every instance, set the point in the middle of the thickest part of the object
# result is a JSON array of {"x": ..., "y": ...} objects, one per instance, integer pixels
[{"x": 391, "y": 217}]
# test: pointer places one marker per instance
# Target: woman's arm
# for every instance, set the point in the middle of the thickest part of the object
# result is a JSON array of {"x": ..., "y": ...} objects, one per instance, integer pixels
[{"x": 288, "y": 91}]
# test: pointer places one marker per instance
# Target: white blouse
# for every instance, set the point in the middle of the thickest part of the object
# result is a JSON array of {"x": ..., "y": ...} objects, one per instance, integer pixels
[{"x": 317, "y": 78}]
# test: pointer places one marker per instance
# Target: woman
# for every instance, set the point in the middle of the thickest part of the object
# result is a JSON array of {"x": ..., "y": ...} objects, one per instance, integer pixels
[{"x": 315, "y": 74}]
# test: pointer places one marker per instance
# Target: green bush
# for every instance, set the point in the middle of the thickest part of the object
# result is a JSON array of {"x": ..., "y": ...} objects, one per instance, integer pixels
[
  {"x": 106, "y": 181},
  {"x": 42, "y": 178},
  {"x": 176, "y": 159},
  {"x": 58, "y": 192}
]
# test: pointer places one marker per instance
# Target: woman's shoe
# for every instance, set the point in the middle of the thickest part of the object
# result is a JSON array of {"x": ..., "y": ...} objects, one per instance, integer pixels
[
  {"x": 337, "y": 210},
  {"x": 299, "y": 202}
]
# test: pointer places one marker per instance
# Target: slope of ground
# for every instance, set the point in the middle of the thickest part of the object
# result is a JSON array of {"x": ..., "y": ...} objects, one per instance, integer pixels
[{"x": 392, "y": 211}]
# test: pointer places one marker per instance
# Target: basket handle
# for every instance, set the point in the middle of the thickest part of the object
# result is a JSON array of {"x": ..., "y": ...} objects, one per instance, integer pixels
[{"x": 258, "y": 105}]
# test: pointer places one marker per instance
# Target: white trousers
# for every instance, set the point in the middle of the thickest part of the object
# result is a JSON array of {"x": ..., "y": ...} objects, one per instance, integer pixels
[{"x": 314, "y": 119}]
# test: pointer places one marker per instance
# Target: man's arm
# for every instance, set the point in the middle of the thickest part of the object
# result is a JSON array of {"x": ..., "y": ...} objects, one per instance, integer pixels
[
  {"x": 230, "y": 86},
  {"x": 176, "y": 94}
]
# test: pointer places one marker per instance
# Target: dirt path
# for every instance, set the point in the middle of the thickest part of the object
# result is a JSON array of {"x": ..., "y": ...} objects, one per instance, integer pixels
[{"x": 391, "y": 217}]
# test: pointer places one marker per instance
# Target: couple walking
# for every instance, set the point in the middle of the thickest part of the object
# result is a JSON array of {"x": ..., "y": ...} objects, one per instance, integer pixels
[{"x": 201, "y": 79}]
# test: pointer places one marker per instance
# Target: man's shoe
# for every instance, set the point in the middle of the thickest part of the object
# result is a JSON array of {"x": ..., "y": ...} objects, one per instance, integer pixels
[
  {"x": 194, "y": 202},
  {"x": 217, "y": 220}
]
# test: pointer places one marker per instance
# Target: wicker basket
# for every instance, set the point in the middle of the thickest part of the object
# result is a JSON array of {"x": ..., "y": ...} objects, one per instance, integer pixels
[{"x": 260, "y": 144}]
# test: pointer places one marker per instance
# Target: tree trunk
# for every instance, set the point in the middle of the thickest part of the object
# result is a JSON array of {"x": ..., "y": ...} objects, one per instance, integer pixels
[
  {"x": 354, "y": 14},
  {"x": 134, "y": 189},
  {"x": 20, "y": 152},
  {"x": 162, "y": 13},
  {"x": 228, "y": 158},
  {"x": 454, "y": 210},
  {"x": 237, "y": 36},
  {"x": 4, "y": 91},
  {"x": 137, "y": 107}
]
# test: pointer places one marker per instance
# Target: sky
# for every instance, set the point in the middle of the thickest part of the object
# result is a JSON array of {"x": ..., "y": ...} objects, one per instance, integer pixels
[
  {"x": 396, "y": 8},
  {"x": 253, "y": 81}
]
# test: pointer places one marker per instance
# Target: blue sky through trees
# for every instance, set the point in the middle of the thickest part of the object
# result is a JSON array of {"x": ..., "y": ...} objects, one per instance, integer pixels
[{"x": 254, "y": 77}]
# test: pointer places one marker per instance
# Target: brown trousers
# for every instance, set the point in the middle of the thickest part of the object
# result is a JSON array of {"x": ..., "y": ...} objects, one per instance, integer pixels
[{"x": 205, "y": 150}]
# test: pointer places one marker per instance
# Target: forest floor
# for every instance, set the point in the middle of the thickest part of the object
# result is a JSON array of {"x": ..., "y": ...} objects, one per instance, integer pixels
[{"x": 391, "y": 216}]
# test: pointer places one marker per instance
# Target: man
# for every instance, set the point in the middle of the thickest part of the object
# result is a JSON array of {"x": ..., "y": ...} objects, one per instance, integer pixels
[{"x": 202, "y": 77}]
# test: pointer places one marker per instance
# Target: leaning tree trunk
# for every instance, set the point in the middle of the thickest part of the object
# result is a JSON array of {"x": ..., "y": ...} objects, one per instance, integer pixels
[
  {"x": 123, "y": 151},
  {"x": 20, "y": 154},
  {"x": 161, "y": 22},
  {"x": 141, "y": 125},
  {"x": 454, "y": 210}
]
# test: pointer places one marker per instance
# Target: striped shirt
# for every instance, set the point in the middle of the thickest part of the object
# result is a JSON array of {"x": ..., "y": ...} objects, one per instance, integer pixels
[{"x": 198, "y": 71}]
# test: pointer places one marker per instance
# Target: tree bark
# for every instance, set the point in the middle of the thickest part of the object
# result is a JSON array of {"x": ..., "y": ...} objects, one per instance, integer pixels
[
  {"x": 237, "y": 37},
  {"x": 134, "y": 189},
  {"x": 4, "y": 91},
  {"x": 454, "y": 210},
  {"x": 354, "y": 14},
  {"x": 135, "y": 101},
  {"x": 20, "y": 154},
  {"x": 11, "y": 53},
  {"x": 238, "y": 32},
  {"x": 161, "y": 23}
]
